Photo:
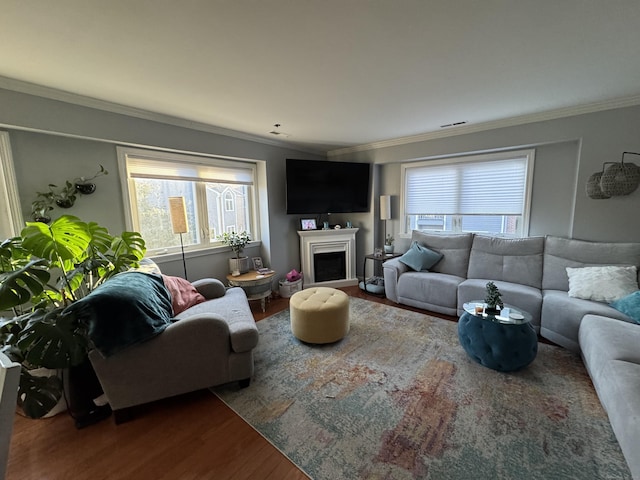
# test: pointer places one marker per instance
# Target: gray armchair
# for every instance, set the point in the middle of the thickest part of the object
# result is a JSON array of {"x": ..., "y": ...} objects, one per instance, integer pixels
[{"x": 210, "y": 344}]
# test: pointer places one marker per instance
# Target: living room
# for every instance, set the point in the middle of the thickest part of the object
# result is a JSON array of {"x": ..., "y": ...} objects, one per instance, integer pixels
[{"x": 53, "y": 134}]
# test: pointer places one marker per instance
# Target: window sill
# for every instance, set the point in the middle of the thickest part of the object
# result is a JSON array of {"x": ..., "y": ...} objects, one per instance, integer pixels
[{"x": 173, "y": 256}]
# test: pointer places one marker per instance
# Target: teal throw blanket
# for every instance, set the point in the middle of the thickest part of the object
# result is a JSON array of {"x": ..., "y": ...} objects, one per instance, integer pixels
[{"x": 127, "y": 309}]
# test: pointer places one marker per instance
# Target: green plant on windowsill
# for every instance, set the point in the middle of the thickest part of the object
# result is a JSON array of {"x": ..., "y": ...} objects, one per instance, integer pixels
[{"x": 42, "y": 271}]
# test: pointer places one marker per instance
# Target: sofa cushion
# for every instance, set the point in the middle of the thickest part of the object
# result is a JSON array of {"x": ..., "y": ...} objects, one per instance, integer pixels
[
  {"x": 455, "y": 249},
  {"x": 436, "y": 292},
  {"x": 602, "y": 284},
  {"x": 562, "y": 314},
  {"x": 629, "y": 305},
  {"x": 515, "y": 260},
  {"x": 560, "y": 253},
  {"x": 420, "y": 258}
]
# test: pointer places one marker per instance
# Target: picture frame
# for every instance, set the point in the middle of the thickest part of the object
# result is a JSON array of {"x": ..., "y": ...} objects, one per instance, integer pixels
[
  {"x": 308, "y": 224},
  {"x": 257, "y": 263}
]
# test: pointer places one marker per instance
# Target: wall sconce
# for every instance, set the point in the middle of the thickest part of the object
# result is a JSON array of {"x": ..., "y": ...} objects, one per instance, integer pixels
[
  {"x": 616, "y": 180},
  {"x": 178, "y": 213}
]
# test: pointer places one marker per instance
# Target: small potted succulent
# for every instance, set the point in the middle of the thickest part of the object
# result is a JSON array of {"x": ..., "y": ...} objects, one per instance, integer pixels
[
  {"x": 493, "y": 300},
  {"x": 388, "y": 243},
  {"x": 237, "y": 241}
]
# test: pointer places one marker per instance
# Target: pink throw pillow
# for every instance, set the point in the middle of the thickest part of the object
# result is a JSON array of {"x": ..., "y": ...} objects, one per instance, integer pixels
[{"x": 183, "y": 294}]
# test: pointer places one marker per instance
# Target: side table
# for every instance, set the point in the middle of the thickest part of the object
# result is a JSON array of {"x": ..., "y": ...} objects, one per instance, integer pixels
[
  {"x": 375, "y": 284},
  {"x": 257, "y": 286}
]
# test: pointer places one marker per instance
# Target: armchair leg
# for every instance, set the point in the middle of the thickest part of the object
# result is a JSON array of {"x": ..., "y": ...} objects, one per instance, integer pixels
[{"x": 244, "y": 383}]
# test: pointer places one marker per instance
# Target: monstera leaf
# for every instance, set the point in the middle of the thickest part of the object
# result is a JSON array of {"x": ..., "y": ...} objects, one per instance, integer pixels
[
  {"x": 38, "y": 395},
  {"x": 20, "y": 286},
  {"x": 67, "y": 238},
  {"x": 52, "y": 339}
]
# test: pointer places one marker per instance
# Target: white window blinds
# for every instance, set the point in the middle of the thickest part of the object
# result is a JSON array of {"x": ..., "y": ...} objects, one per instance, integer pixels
[
  {"x": 139, "y": 167},
  {"x": 495, "y": 187}
]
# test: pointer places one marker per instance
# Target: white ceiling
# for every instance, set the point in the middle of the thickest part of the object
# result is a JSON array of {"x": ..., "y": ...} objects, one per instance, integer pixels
[{"x": 333, "y": 73}]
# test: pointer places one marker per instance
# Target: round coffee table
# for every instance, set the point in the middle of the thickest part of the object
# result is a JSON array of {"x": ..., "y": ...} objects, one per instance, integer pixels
[{"x": 503, "y": 342}]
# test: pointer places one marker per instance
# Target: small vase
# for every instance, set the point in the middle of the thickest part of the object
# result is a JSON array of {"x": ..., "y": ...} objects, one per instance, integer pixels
[
  {"x": 65, "y": 203},
  {"x": 388, "y": 249},
  {"x": 85, "y": 188}
]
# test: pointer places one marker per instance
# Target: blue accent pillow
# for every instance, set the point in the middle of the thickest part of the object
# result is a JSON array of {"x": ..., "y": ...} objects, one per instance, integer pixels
[
  {"x": 420, "y": 258},
  {"x": 629, "y": 305}
]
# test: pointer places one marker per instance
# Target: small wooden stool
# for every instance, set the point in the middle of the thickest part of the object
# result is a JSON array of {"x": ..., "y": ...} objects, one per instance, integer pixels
[{"x": 319, "y": 315}]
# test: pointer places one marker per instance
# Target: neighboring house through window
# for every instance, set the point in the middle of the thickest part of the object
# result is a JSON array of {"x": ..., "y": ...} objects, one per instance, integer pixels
[
  {"x": 205, "y": 183},
  {"x": 489, "y": 193}
]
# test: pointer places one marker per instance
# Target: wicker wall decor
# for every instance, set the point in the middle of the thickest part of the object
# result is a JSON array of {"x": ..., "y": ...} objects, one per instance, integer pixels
[
  {"x": 616, "y": 180},
  {"x": 593, "y": 187}
]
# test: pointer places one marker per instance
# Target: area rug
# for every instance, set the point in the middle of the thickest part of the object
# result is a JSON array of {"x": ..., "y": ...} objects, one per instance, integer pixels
[{"x": 398, "y": 398}]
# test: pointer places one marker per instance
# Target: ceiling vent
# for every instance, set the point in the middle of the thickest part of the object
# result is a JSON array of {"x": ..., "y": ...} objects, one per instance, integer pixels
[
  {"x": 279, "y": 133},
  {"x": 455, "y": 124}
]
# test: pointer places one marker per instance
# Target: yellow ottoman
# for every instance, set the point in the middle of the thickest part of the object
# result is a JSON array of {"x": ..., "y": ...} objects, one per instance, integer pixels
[{"x": 319, "y": 315}]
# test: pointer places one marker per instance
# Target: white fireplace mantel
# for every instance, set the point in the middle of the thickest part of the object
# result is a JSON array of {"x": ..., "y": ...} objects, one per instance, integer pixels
[{"x": 328, "y": 241}]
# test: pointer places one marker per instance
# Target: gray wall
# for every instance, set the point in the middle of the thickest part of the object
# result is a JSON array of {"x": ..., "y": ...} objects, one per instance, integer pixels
[
  {"x": 568, "y": 151},
  {"x": 41, "y": 158}
]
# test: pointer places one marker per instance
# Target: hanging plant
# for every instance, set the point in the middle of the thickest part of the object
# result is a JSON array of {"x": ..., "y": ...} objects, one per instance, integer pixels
[{"x": 62, "y": 197}]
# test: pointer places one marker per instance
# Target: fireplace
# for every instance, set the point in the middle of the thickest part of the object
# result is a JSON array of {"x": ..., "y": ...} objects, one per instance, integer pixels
[{"x": 328, "y": 257}]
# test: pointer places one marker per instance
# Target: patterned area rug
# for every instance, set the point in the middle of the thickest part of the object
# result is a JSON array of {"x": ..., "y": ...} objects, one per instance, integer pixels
[{"x": 398, "y": 398}]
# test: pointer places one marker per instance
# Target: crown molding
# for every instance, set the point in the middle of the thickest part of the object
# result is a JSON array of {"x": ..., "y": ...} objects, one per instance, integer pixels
[
  {"x": 502, "y": 123},
  {"x": 90, "y": 102}
]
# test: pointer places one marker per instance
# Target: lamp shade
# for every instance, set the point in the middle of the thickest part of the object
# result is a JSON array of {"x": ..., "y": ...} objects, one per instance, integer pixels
[
  {"x": 178, "y": 213},
  {"x": 385, "y": 207}
]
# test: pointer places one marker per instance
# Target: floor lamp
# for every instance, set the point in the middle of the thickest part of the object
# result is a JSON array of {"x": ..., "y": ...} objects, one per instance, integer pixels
[
  {"x": 178, "y": 213},
  {"x": 385, "y": 213}
]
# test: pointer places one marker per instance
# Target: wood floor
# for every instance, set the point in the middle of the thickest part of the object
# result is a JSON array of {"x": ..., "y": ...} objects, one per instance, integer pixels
[{"x": 193, "y": 436}]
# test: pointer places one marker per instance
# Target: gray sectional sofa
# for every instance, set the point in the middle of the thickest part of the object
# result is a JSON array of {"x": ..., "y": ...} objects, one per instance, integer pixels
[{"x": 531, "y": 273}]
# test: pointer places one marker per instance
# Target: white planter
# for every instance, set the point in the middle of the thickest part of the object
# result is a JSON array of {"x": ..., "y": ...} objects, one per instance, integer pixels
[
  {"x": 241, "y": 265},
  {"x": 388, "y": 249}
]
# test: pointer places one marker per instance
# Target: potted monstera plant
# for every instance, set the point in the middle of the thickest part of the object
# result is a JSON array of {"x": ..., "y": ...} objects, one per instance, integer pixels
[{"x": 42, "y": 271}]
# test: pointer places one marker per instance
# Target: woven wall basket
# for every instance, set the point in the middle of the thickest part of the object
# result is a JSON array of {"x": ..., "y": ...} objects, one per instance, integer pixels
[
  {"x": 620, "y": 179},
  {"x": 593, "y": 187}
]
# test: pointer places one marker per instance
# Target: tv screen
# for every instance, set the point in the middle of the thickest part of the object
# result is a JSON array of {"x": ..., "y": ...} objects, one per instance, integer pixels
[{"x": 321, "y": 186}]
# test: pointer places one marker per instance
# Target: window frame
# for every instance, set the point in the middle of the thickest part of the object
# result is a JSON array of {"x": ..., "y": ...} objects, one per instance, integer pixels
[
  {"x": 529, "y": 154},
  {"x": 172, "y": 157}
]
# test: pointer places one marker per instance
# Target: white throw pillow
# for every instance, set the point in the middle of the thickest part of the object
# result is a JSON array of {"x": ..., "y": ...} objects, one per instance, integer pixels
[{"x": 602, "y": 284}]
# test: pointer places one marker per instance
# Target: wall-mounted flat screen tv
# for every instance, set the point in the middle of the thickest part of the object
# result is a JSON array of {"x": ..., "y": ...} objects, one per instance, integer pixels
[{"x": 321, "y": 186}]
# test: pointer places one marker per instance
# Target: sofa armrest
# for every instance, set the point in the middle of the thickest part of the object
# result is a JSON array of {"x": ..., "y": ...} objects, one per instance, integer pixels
[
  {"x": 210, "y": 288},
  {"x": 392, "y": 269}
]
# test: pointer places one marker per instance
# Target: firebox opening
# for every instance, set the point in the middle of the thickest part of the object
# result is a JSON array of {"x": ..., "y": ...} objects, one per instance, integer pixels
[{"x": 330, "y": 266}]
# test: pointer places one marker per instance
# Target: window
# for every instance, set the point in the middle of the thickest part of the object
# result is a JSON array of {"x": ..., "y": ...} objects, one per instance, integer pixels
[
  {"x": 11, "y": 222},
  {"x": 484, "y": 194},
  {"x": 206, "y": 184},
  {"x": 229, "y": 202}
]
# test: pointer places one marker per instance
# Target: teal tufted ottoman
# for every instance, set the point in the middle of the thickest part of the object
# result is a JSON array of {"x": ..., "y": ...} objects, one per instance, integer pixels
[{"x": 501, "y": 346}]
